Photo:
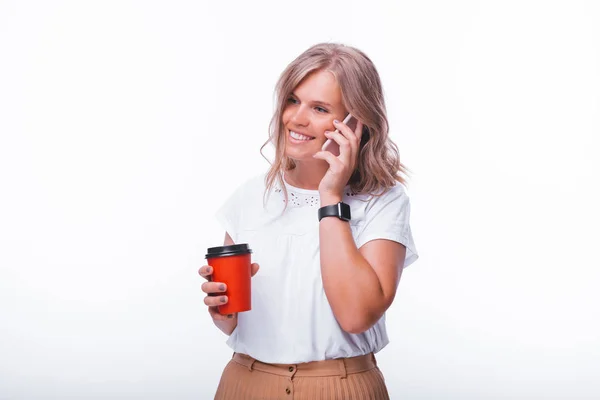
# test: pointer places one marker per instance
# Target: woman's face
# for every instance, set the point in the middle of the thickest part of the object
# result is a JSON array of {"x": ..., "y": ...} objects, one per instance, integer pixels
[{"x": 309, "y": 112}]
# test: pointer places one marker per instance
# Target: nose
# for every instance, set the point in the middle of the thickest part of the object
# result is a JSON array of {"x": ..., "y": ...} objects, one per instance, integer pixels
[{"x": 300, "y": 116}]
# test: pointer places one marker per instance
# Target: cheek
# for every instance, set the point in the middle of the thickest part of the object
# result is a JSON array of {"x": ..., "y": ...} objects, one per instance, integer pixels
[
  {"x": 324, "y": 126},
  {"x": 285, "y": 116}
]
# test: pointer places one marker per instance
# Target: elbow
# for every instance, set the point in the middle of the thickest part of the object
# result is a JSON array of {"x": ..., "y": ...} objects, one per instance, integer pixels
[
  {"x": 361, "y": 320},
  {"x": 356, "y": 324},
  {"x": 356, "y": 329}
]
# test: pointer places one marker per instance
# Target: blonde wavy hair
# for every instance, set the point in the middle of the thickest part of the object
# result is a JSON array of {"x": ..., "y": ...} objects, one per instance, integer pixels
[{"x": 378, "y": 167}]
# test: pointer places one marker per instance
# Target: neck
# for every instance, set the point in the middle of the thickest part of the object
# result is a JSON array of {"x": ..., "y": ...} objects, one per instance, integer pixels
[{"x": 306, "y": 175}]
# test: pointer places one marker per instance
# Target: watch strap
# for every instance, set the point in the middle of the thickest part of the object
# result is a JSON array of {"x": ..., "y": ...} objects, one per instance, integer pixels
[{"x": 340, "y": 210}]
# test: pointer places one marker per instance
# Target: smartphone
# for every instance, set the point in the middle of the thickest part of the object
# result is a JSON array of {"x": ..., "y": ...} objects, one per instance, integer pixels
[{"x": 331, "y": 145}]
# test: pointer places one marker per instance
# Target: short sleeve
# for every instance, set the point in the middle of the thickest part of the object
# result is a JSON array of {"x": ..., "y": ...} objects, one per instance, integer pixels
[
  {"x": 388, "y": 217},
  {"x": 239, "y": 210},
  {"x": 229, "y": 213}
]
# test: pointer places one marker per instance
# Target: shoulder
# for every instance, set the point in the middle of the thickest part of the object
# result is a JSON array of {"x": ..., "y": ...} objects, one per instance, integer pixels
[
  {"x": 398, "y": 190},
  {"x": 252, "y": 185},
  {"x": 383, "y": 204},
  {"x": 393, "y": 195}
]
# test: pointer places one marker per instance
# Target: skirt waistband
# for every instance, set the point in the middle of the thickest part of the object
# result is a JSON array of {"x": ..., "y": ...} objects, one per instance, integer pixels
[{"x": 337, "y": 367}]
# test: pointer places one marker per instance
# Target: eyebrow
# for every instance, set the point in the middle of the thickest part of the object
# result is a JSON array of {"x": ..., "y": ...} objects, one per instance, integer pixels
[{"x": 316, "y": 101}]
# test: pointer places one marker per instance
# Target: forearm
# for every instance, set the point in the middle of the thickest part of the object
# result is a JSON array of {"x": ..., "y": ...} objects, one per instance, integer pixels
[{"x": 351, "y": 285}]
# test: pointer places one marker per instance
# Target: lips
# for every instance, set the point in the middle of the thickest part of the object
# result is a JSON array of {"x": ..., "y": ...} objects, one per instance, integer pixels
[{"x": 300, "y": 136}]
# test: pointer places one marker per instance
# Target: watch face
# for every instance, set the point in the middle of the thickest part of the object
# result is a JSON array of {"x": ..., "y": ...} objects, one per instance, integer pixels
[{"x": 344, "y": 211}]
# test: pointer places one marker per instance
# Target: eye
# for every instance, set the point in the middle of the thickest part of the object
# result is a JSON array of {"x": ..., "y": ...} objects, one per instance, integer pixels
[
  {"x": 321, "y": 110},
  {"x": 292, "y": 100}
]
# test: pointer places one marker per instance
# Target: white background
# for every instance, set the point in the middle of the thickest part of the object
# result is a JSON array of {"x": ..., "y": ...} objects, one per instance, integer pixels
[{"x": 124, "y": 125}]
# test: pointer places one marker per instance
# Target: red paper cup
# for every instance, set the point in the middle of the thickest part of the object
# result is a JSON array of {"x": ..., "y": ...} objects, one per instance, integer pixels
[{"x": 231, "y": 265}]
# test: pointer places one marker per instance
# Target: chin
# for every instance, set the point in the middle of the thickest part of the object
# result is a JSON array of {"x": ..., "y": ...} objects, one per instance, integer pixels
[{"x": 300, "y": 155}]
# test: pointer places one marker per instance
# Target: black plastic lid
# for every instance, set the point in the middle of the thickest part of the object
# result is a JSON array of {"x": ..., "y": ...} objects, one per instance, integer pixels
[{"x": 231, "y": 250}]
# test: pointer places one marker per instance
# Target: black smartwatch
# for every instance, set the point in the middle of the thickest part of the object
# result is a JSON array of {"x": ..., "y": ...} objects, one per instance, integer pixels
[{"x": 340, "y": 210}]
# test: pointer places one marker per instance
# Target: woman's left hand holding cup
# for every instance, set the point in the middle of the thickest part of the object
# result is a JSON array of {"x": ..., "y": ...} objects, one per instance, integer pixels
[{"x": 215, "y": 293}]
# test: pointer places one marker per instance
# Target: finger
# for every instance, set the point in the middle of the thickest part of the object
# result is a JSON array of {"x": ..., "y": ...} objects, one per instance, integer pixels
[
  {"x": 341, "y": 140},
  {"x": 345, "y": 130},
  {"x": 213, "y": 287},
  {"x": 213, "y": 301},
  {"x": 350, "y": 136},
  {"x": 205, "y": 271},
  {"x": 347, "y": 147},
  {"x": 254, "y": 269},
  {"x": 335, "y": 164},
  {"x": 216, "y": 315}
]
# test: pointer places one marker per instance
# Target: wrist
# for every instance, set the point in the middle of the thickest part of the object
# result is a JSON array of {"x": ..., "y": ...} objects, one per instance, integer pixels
[
  {"x": 330, "y": 198},
  {"x": 227, "y": 326},
  {"x": 339, "y": 210}
]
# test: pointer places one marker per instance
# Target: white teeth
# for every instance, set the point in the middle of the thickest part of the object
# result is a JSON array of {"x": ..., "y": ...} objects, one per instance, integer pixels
[{"x": 298, "y": 136}]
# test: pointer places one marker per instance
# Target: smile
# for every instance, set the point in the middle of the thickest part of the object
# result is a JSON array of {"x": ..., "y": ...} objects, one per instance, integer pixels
[{"x": 300, "y": 137}]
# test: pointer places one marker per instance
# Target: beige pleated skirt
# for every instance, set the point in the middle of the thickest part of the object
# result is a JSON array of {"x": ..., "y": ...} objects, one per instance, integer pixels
[{"x": 355, "y": 378}]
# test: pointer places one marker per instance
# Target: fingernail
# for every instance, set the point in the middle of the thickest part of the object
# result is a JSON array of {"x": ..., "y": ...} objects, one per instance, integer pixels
[
  {"x": 208, "y": 270},
  {"x": 223, "y": 299},
  {"x": 222, "y": 288},
  {"x": 335, "y": 121}
]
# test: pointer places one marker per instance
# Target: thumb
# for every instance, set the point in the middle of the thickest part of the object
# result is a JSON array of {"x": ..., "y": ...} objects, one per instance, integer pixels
[{"x": 253, "y": 269}]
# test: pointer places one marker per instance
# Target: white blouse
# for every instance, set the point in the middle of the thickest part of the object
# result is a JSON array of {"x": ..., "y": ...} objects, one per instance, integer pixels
[{"x": 291, "y": 320}]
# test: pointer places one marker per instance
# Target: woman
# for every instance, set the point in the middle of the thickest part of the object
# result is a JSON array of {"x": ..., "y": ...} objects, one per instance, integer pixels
[{"x": 327, "y": 275}]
